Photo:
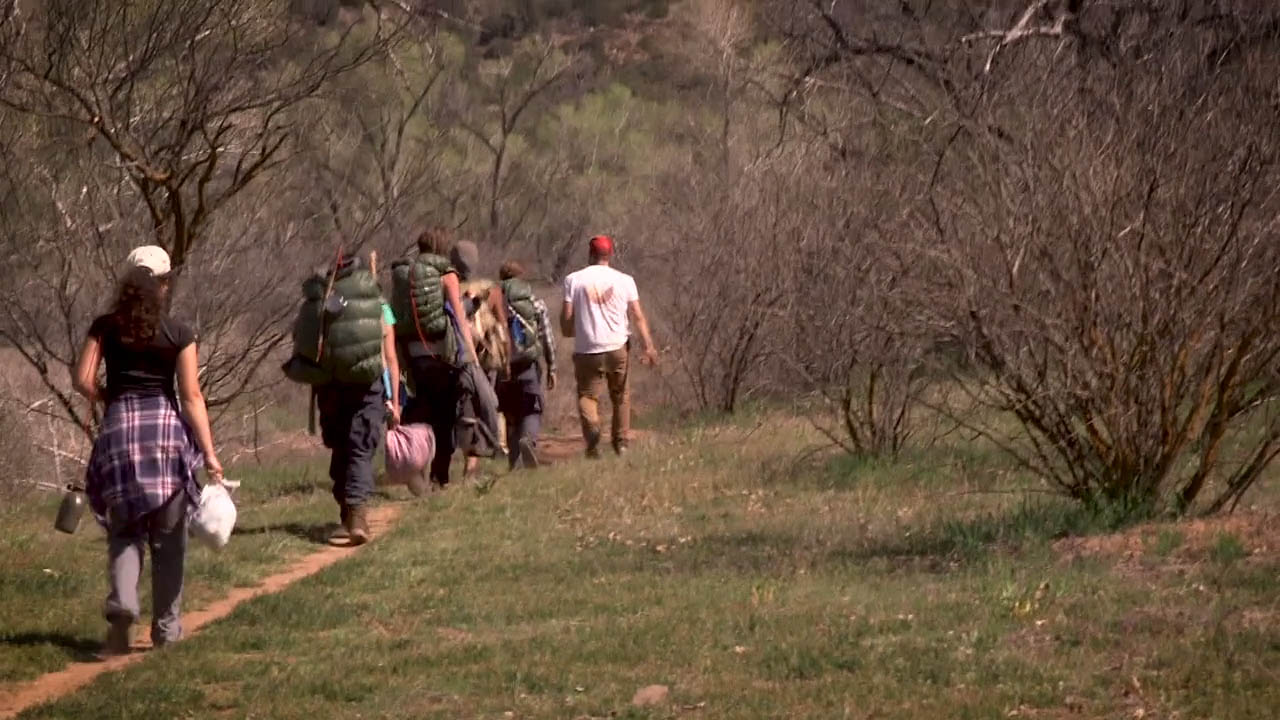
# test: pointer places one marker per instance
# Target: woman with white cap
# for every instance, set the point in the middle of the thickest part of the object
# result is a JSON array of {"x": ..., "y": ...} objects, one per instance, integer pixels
[{"x": 141, "y": 476}]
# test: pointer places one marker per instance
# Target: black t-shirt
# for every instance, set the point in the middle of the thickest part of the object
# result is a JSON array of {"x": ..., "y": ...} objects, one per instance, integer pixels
[{"x": 141, "y": 370}]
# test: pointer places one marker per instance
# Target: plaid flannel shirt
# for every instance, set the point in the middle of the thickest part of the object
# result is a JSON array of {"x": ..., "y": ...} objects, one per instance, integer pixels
[
  {"x": 142, "y": 456},
  {"x": 547, "y": 337}
]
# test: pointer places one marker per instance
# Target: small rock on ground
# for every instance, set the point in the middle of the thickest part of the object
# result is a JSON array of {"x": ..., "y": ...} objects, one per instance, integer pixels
[{"x": 651, "y": 695}]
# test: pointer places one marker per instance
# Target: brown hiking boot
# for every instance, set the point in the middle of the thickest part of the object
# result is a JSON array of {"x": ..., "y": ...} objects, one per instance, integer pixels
[
  {"x": 344, "y": 518},
  {"x": 526, "y": 458},
  {"x": 593, "y": 445},
  {"x": 117, "y": 638},
  {"x": 358, "y": 524}
]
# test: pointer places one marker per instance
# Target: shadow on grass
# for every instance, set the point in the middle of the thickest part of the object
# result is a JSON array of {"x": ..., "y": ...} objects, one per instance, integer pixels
[
  {"x": 77, "y": 649},
  {"x": 935, "y": 548},
  {"x": 936, "y": 467},
  {"x": 317, "y": 533}
]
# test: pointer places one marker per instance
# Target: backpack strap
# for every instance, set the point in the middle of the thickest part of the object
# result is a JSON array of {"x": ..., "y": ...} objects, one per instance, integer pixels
[{"x": 532, "y": 331}]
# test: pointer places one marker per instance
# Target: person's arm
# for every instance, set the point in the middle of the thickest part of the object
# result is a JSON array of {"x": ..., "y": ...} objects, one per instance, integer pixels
[
  {"x": 393, "y": 368},
  {"x": 566, "y": 311},
  {"x": 85, "y": 377},
  {"x": 548, "y": 339},
  {"x": 498, "y": 302},
  {"x": 453, "y": 296},
  {"x": 642, "y": 323},
  {"x": 194, "y": 410},
  {"x": 566, "y": 319}
]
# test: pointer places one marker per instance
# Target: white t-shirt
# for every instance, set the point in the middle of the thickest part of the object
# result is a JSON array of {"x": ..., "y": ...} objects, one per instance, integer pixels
[{"x": 600, "y": 296}]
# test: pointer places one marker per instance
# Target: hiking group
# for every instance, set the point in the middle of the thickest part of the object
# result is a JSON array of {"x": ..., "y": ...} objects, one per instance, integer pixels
[{"x": 438, "y": 366}]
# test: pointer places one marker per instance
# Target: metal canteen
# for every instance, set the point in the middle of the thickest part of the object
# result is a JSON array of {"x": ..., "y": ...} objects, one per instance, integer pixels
[{"x": 70, "y": 510}]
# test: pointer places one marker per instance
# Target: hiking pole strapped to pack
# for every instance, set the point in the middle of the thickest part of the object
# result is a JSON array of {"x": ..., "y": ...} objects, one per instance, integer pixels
[{"x": 324, "y": 302}]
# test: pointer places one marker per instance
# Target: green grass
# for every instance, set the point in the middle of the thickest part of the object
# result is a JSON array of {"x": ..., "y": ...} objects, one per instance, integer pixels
[
  {"x": 1167, "y": 541},
  {"x": 754, "y": 583},
  {"x": 54, "y": 584},
  {"x": 1227, "y": 549}
]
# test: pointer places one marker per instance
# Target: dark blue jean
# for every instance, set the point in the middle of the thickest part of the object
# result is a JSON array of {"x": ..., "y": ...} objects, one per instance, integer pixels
[
  {"x": 352, "y": 418},
  {"x": 435, "y": 402},
  {"x": 520, "y": 400}
]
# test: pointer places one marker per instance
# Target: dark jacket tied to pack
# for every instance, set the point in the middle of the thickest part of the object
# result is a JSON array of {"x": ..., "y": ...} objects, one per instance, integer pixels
[
  {"x": 524, "y": 323},
  {"x": 417, "y": 299},
  {"x": 337, "y": 336}
]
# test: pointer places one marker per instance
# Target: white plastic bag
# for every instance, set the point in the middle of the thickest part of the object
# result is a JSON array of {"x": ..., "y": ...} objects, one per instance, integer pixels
[{"x": 215, "y": 516}]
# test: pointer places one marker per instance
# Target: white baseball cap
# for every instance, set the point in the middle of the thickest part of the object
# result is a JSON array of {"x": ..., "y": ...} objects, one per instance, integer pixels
[{"x": 151, "y": 257}]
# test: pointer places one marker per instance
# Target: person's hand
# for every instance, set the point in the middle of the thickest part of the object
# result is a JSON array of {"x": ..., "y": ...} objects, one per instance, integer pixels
[
  {"x": 650, "y": 357},
  {"x": 551, "y": 381},
  {"x": 393, "y": 414},
  {"x": 214, "y": 468}
]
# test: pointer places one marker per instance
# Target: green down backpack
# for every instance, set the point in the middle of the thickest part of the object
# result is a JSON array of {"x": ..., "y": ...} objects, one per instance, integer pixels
[
  {"x": 337, "y": 335},
  {"x": 523, "y": 318},
  {"x": 417, "y": 299}
]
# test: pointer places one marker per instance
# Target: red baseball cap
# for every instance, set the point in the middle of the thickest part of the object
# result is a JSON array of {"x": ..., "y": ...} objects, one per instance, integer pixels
[{"x": 602, "y": 245}]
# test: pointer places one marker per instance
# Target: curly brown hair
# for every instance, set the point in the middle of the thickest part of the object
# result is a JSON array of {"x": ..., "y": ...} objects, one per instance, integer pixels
[
  {"x": 511, "y": 269},
  {"x": 140, "y": 306}
]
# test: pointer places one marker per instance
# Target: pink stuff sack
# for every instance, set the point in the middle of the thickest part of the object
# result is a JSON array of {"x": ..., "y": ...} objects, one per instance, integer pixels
[{"x": 410, "y": 449}]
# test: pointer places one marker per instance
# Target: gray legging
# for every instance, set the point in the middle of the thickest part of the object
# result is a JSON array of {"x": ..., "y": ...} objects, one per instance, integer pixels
[{"x": 165, "y": 531}]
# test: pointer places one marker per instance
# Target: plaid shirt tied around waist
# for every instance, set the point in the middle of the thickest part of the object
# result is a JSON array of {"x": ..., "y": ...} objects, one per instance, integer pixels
[{"x": 144, "y": 454}]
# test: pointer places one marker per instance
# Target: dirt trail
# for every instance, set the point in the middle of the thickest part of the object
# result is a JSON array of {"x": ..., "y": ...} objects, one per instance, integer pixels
[
  {"x": 54, "y": 685},
  {"x": 562, "y": 448}
]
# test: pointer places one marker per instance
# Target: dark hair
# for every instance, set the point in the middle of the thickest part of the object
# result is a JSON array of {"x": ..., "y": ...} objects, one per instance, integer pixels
[
  {"x": 435, "y": 241},
  {"x": 140, "y": 306},
  {"x": 510, "y": 269}
]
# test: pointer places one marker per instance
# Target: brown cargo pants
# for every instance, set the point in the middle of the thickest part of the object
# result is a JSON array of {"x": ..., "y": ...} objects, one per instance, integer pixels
[{"x": 592, "y": 373}]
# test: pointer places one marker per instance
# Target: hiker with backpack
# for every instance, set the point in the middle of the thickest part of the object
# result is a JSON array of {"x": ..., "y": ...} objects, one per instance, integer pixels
[
  {"x": 520, "y": 396},
  {"x": 599, "y": 305},
  {"x": 434, "y": 340},
  {"x": 487, "y": 314},
  {"x": 141, "y": 475},
  {"x": 344, "y": 348}
]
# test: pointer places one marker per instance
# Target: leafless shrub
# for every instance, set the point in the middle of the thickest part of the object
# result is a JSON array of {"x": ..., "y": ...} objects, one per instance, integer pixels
[
  {"x": 146, "y": 122},
  {"x": 1116, "y": 290},
  {"x": 377, "y": 153},
  {"x": 781, "y": 277},
  {"x": 16, "y": 456},
  {"x": 722, "y": 297},
  {"x": 1097, "y": 225},
  {"x": 858, "y": 347},
  {"x": 510, "y": 91}
]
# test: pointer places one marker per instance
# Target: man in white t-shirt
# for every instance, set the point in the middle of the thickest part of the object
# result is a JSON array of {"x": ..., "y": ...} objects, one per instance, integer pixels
[{"x": 599, "y": 305}]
